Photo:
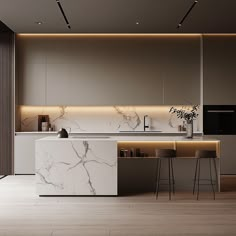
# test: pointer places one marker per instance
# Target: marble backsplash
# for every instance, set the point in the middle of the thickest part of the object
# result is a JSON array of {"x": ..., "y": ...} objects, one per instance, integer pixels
[{"x": 103, "y": 119}]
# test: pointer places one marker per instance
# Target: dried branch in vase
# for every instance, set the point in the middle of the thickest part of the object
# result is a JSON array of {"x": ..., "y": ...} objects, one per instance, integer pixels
[{"x": 188, "y": 114}]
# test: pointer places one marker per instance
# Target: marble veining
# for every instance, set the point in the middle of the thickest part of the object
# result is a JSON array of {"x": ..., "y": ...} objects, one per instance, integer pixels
[
  {"x": 103, "y": 119},
  {"x": 172, "y": 121},
  {"x": 62, "y": 117},
  {"x": 78, "y": 167},
  {"x": 130, "y": 117}
]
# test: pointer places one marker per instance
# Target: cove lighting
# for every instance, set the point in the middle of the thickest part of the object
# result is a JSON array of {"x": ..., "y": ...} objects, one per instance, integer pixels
[{"x": 108, "y": 35}]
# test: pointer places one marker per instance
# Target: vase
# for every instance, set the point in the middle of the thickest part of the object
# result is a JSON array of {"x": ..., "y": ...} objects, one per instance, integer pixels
[{"x": 189, "y": 129}]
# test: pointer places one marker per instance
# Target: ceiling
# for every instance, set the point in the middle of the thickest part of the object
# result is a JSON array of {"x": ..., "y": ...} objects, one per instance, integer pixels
[{"x": 119, "y": 16}]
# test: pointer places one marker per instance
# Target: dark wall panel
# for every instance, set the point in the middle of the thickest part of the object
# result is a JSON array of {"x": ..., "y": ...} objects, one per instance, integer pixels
[{"x": 6, "y": 101}]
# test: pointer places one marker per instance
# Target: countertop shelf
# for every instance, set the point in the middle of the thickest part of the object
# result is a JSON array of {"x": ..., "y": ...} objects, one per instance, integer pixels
[{"x": 152, "y": 157}]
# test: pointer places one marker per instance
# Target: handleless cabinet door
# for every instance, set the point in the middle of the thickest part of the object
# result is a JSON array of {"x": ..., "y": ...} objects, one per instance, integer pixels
[
  {"x": 95, "y": 84},
  {"x": 108, "y": 70},
  {"x": 30, "y": 71},
  {"x": 181, "y": 70},
  {"x": 104, "y": 71},
  {"x": 227, "y": 153},
  {"x": 219, "y": 70},
  {"x": 32, "y": 85},
  {"x": 24, "y": 153}
]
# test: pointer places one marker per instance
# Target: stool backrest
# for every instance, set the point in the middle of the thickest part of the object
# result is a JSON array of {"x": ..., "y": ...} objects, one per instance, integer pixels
[
  {"x": 205, "y": 154},
  {"x": 169, "y": 153}
]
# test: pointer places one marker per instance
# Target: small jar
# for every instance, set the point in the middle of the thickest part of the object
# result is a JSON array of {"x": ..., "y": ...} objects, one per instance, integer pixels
[
  {"x": 121, "y": 152},
  {"x": 137, "y": 152},
  {"x": 131, "y": 152},
  {"x": 126, "y": 153},
  {"x": 44, "y": 126},
  {"x": 180, "y": 128}
]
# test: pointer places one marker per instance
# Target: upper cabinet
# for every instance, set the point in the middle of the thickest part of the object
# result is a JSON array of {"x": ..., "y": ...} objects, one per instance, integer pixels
[
  {"x": 32, "y": 85},
  {"x": 219, "y": 70},
  {"x": 94, "y": 84},
  {"x": 181, "y": 70},
  {"x": 30, "y": 71},
  {"x": 103, "y": 71},
  {"x": 108, "y": 70}
]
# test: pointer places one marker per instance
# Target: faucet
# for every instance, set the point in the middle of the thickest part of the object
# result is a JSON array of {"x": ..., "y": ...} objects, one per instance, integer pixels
[{"x": 144, "y": 123}]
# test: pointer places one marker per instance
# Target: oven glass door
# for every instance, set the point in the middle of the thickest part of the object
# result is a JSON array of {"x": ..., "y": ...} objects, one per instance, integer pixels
[{"x": 219, "y": 120}]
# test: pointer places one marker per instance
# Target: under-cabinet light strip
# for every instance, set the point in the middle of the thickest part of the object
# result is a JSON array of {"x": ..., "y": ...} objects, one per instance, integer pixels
[
  {"x": 107, "y": 35},
  {"x": 171, "y": 142}
]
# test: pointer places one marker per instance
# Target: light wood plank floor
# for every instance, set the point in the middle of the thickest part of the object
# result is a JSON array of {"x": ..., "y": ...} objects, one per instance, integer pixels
[{"x": 23, "y": 213}]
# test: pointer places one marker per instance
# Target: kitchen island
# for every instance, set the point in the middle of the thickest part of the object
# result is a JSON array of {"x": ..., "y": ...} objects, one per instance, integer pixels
[
  {"x": 76, "y": 166},
  {"x": 88, "y": 165}
]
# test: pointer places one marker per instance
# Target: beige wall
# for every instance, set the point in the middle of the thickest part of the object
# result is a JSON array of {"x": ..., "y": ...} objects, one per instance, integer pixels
[{"x": 108, "y": 70}]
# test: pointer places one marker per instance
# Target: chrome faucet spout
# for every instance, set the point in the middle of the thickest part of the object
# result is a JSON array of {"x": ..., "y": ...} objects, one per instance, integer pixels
[{"x": 145, "y": 126}]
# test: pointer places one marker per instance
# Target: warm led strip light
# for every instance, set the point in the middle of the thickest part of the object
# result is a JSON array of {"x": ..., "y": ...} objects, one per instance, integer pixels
[
  {"x": 107, "y": 35},
  {"x": 120, "y": 35},
  {"x": 164, "y": 141},
  {"x": 98, "y": 108},
  {"x": 174, "y": 141},
  {"x": 216, "y": 34}
]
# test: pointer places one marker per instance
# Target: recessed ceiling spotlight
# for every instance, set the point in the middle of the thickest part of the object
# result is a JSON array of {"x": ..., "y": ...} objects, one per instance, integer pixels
[
  {"x": 137, "y": 23},
  {"x": 38, "y": 22}
]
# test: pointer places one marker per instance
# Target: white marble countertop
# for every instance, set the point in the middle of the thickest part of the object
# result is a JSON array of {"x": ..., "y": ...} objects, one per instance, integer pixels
[
  {"x": 125, "y": 133},
  {"x": 76, "y": 138},
  {"x": 130, "y": 139}
]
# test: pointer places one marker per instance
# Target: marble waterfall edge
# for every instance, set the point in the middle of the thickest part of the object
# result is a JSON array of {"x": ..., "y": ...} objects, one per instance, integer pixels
[{"x": 76, "y": 167}]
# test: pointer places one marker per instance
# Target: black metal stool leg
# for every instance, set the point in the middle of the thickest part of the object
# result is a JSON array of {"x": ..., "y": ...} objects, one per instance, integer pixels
[
  {"x": 158, "y": 179},
  {"x": 211, "y": 179},
  {"x": 169, "y": 179},
  {"x": 216, "y": 174},
  {"x": 173, "y": 177},
  {"x": 199, "y": 171},
  {"x": 195, "y": 175}
]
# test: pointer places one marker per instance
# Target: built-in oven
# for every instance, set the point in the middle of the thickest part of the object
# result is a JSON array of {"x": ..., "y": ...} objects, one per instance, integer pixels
[{"x": 219, "y": 119}]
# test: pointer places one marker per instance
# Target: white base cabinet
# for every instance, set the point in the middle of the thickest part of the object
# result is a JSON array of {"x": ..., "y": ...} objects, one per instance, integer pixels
[{"x": 24, "y": 153}]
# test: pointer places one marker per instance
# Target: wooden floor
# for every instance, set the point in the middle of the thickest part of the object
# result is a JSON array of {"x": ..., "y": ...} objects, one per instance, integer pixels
[{"x": 23, "y": 213}]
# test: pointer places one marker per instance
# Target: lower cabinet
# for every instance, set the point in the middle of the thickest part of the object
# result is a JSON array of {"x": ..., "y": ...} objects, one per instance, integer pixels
[
  {"x": 228, "y": 153},
  {"x": 24, "y": 153}
]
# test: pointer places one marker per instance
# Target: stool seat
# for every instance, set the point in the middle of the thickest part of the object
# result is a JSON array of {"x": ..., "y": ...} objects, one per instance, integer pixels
[
  {"x": 167, "y": 154},
  {"x": 205, "y": 154}
]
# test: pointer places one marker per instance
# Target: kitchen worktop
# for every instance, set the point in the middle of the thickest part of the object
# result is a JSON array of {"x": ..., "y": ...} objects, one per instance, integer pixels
[
  {"x": 78, "y": 138},
  {"x": 122, "y": 133},
  {"x": 131, "y": 138}
]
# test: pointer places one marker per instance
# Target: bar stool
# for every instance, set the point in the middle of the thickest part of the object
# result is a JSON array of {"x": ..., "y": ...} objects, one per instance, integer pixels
[
  {"x": 167, "y": 154},
  {"x": 204, "y": 154}
]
